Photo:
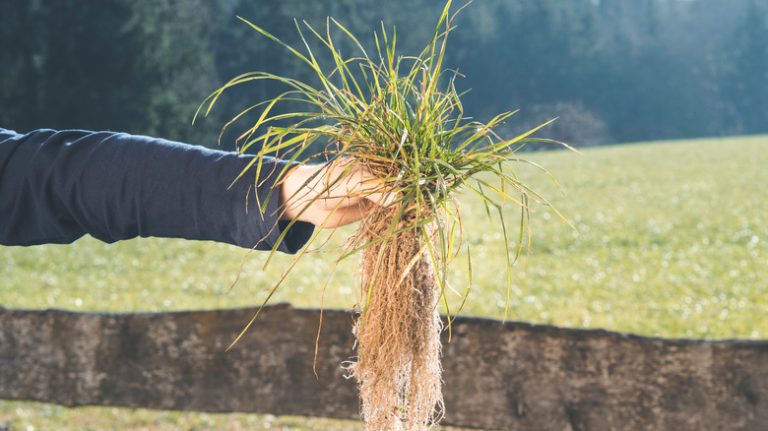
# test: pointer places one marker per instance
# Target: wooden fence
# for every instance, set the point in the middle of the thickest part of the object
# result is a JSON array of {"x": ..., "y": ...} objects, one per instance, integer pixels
[{"x": 507, "y": 376}]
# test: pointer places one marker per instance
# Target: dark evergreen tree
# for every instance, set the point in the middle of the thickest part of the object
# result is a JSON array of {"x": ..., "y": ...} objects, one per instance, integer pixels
[
  {"x": 139, "y": 67},
  {"x": 748, "y": 78},
  {"x": 636, "y": 69}
]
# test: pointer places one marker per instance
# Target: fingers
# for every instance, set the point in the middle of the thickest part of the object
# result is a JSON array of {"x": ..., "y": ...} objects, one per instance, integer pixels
[
  {"x": 374, "y": 190},
  {"x": 334, "y": 194},
  {"x": 347, "y": 185},
  {"x": 383, "y": 199},
  {"x": 341, "y": 188},
  {"x": 344, "y": 215}
]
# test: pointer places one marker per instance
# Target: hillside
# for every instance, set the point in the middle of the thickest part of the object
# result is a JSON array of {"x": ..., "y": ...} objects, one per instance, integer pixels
[{"x": 672, "y": 241}]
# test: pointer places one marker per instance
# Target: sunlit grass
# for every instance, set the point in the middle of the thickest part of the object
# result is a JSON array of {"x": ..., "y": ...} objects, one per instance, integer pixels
[
  {"x": 673, "y": 242},
  {"x": 43, "y": 417}
]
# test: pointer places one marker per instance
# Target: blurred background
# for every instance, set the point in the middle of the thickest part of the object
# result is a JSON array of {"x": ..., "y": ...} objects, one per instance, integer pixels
[
  {"x": 613, "y": 70},
  {"x": 671, "y": 232}
]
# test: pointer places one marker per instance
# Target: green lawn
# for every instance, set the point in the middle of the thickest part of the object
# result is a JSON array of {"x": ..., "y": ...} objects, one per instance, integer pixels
[{"x": 672, "y": 241}]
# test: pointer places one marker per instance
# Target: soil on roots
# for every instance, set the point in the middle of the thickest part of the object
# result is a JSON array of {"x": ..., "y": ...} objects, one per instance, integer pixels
[{"x": 398, "y": 331}]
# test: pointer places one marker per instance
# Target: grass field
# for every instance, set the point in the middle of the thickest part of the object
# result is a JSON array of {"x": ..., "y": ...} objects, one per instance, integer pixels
[{"x": 671, "y": 240}]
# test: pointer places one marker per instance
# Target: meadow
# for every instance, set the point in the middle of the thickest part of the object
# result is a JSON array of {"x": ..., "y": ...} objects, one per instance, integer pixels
[{"x": 670, "y": 239}]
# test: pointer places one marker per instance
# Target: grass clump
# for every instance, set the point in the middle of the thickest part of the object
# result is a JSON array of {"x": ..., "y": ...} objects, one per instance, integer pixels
[{"x": 401, "y": 119}]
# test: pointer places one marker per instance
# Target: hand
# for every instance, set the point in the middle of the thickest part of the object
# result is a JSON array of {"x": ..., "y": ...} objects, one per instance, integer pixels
[{"x": 332, "y": 194}]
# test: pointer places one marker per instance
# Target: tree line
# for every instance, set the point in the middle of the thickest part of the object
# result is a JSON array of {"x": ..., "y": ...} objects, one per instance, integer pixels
[{"x": 612, "y": 70}]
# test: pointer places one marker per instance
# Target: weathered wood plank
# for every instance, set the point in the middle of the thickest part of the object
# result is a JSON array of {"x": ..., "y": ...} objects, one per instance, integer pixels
[{"x": 510, "y": 376}]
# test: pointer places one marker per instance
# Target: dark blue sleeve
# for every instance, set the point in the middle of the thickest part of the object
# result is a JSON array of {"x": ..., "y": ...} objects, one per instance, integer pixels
[{"x": 56, "y": 186}]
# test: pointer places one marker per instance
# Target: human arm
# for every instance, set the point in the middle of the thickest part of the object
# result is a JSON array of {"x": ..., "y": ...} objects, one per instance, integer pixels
[{"x": 56, "y": 186}]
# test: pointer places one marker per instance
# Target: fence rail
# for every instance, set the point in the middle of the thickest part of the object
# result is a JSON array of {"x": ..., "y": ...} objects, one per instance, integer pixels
[{"x": 509, "y": 376}]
